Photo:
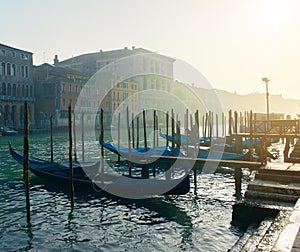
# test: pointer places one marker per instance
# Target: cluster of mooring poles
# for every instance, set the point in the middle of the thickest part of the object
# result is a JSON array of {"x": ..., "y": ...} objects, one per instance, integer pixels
[{"x": 239, "y": 127}]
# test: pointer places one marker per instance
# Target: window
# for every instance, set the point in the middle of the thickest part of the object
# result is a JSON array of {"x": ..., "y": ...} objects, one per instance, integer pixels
[
  {"x": 8, "y": 69},
  {"x": 31, "y": 91},
  {"x": 23, "y": 91},
  {"x": 26, "y": 95},
  {"x": 13, "y": 54},
  {"x": 14, "y": 90},
  {"x": 22, "y": 71},
  {"x": 70, "y": 88},
  {"x": 3, "y": 52},
  {"x": 13, "y": 70},
  {"x": 64, "y": 103},
  {"x": 76, "y": 89},
  {"x": 63, "y": 88},
  {"x": 26, "y": 72},
  {"x": 3, "y": 88},
  {"x": 1, "y": 69},
  {"x": 8, "y": 89}
]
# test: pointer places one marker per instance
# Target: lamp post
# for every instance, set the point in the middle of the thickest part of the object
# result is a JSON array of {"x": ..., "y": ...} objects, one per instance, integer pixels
[{"x": 265, "y": 79}]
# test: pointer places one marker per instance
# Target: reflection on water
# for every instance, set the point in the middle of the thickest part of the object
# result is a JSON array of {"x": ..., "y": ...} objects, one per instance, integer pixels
[{"x": 198, "y": 221}]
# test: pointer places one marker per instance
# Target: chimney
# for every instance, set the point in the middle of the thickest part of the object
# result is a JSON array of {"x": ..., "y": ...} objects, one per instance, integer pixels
[
  {"x": 56, "y": 60},
  {"x": 133, "y": 47}
]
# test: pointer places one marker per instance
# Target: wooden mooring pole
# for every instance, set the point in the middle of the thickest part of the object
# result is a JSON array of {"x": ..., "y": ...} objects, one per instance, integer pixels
[
  {"x": 129, "y": 142},
  {"x": 26, "y": 161},
  {"x": 196, "y": 146},
  {"x": 145, "y": 170},
  {"x": 51, "y": 138},
  {"x": 137, "y": 132},
  {"x": 167, "y": 128},
  {"x": 102, "y": 147},
  {"x": 74, "y": 135},
  {"x": 82, "y": 135},
  {"x": 70, "y": 157},
  {"x": 173, "y": 132},
  {"x": 238, "y": 182},
  {"x": 119, "y": 135},
  {"x": 132, "y": 128}
]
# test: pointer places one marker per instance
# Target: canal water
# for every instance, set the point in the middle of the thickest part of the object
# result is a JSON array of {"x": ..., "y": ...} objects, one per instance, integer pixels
[{"x": 198, "y": 221}]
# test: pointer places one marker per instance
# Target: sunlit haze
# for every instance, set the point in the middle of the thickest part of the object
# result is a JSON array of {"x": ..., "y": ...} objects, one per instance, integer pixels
[{"x": 232, "y": 43}]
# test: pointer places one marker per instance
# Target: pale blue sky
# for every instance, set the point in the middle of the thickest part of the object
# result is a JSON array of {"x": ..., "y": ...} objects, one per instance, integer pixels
[{"x": 233, "y": 43}]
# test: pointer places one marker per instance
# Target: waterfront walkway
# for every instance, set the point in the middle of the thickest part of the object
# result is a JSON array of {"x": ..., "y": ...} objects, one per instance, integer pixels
[{"x": 280, "y": 183}]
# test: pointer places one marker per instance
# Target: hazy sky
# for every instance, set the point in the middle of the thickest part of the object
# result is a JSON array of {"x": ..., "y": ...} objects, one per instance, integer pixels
[{"x": 233, "y": 43}]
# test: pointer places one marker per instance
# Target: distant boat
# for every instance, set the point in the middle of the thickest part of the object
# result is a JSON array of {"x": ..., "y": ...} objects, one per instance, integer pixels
[
  {"x": 39, "y": 131},
  {"x": 87, "y": 174},
  {"x": 137, "y": 154},
  {"x": 210, "y": 153},
  {"x": 8, "y": 132},
  {"x": 229, "y": 146},
  {"x": 141, "y": 153}
]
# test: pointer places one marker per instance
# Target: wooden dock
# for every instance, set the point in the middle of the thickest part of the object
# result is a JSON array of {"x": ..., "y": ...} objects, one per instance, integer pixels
[
  {"x": 276, "y": 186},
  {"x": 276, "y": 181}
]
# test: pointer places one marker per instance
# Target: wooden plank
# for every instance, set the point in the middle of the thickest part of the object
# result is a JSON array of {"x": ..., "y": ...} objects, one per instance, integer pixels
[{"x": 221, "y": 162}]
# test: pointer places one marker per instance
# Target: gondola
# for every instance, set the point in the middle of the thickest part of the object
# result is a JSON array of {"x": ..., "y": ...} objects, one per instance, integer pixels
[
  {"x": 87, "y": 174},
  {"x": 142, "y": 153}
]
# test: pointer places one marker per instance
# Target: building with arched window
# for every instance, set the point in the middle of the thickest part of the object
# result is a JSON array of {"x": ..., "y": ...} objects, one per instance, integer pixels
[{"x": 16, "y": 86}]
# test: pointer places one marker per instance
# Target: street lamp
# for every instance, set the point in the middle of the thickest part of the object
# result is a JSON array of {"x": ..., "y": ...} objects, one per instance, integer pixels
[{"x": 265, "y": 79}]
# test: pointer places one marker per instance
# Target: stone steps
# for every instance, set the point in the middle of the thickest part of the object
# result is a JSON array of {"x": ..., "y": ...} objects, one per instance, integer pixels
[
  {"x": 253, "y": 194},
  {"x": 281, "y": 185},
  {"x": 275, "y": 187},
  {"x": 278, "y": 178}
]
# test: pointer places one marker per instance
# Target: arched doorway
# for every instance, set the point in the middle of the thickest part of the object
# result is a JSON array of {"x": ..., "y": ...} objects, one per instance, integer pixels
[
  {"x": 13, "y": 115},
  {"x": 22, "y": 116},
  {"x": 6, "y": 115},
  {"x": 1, "y": 116}
]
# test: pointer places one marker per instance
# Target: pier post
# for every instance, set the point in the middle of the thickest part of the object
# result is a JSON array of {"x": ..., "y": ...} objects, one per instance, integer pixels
[
  {"x": 119, "y": 135},
  {"x": 137, "y": 132},
  {"x": 70, "y": 157},
  {"x": 238, "y": 182},
  {"x": 217, "y": 126},
  {"x": 186, "y": 126},
  {"x": 167, "y": 128},
  {"x": 154, "y": 140},
  {"x": 102, "y": 147},
  {"x": 145, "y": 170},
  {"x": 154, "y": 132},
  {"x": 223, "y": 125},
  {"x": 230, "y": 125},
  {"x": 235, "y": 122},
  {"x": 129, "y": 141},
  {"x": 26, "y": 161},
  {"x": 51, "y": 137},
  {"x": 211, "y": 124},
  {"x": 178, "y": 136},
  {"x": 250, "y": 119},
  {"x": 197, "y": 146},
  {"x": 82, "y": 135},
  {"x": 74, "y": 134},
  {"x": 286, "y": 149},
  {"x": 205, "y": 126},
  {"x": 173, "y": 132},
  {"x": 132, "y": 127}
]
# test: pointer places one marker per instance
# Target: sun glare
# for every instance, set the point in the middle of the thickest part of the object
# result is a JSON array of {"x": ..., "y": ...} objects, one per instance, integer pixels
[{"x": 274, "y": 13}]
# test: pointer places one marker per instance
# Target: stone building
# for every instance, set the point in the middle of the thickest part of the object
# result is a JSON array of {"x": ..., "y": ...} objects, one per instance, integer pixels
[
  {"x": 55, "y": 89},
  {"x": 146, "y": 70},
  {"x": 16, "y": 86}
]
